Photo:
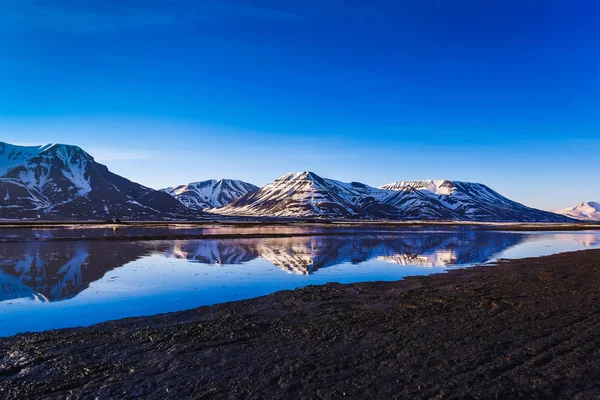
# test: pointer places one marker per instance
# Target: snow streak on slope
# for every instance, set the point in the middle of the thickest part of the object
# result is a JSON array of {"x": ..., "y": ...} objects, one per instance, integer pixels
[
  {"x": 210, "y": 194},
  {"x": 587, "y": 211}
]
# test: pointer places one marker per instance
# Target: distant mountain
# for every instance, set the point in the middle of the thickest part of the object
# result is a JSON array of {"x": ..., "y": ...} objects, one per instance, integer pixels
[
  {"x": 210, "y": 194},
  {"x": 58, "y": 181},
  {"x": 307, "y": 195},
  {"x": 587, "y": 211}
]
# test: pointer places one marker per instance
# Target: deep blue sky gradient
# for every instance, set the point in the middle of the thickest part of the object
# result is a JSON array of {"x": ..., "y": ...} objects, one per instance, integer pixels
[{"x": 166, "y": 92}]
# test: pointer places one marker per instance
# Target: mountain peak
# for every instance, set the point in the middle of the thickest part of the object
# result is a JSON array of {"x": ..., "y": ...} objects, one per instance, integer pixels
[
  {"x": 298, "y": 175},
  {"x": 210, "y": 193},
  {"x": 60, "y": 146},
  {"x": 63, "y": 181},
  {"x": 586, "y": 211}
]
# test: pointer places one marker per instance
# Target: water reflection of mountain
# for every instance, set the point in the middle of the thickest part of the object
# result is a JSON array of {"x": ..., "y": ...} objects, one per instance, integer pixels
[
  {"x": 222, "y": 251},
  {"x": 49, "y": 271},
  {"x": 306, "y": 255}
]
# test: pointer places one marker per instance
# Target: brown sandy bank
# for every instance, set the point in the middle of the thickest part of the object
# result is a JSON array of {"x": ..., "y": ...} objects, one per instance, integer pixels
[{"x": 523, "y": 329}]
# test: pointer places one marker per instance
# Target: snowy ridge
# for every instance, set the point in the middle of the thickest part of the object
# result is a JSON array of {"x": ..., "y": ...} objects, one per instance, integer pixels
[
  {"x": 586, "y": 211},
  {"x": 12, "y": 156},
  {"x": 455, "y": 200},
  {"x": 433, "y": 186},
  {"x": 210, "y": 194}
]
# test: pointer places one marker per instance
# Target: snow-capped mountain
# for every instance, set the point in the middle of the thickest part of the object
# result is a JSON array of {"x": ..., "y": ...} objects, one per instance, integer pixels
[
  {"x": 210, "y": 194},
  {"x": 455, "y": 200},
  {"x": 307, "y": 195},
  {"x": 58, "y": 181},
  {"x": 587, "y": 211}
]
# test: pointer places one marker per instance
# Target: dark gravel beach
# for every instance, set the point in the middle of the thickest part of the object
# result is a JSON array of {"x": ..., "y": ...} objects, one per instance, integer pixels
[{"x": 521, "y": 329}]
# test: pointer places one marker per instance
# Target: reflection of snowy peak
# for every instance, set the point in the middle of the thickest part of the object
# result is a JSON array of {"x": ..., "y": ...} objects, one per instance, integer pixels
[
  {"x": 64, "y": 182},
  {"x": 50, "y": 276},
  {"x": 308, "y": 195},
  {"x": 300, "y": 255},
  {"x": 213, "y": 251},
  {"x": 210, "y": 194},
  {"x": 50, "y": 271},
  {"x": 587, "y": 211},
  {"x": 437, "y": 259}
]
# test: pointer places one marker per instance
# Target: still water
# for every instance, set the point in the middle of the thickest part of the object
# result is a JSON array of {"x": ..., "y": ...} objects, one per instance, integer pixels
[{"x": 57, "y": 284}]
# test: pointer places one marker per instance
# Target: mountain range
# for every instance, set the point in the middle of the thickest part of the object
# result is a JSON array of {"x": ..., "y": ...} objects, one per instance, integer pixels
[
  {"x": 305, "y": 194},
  {"x": 63, "y": 182}
]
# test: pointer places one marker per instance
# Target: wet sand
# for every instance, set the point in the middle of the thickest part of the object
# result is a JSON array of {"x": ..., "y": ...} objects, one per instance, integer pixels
[{"x": 521, "y": 329}]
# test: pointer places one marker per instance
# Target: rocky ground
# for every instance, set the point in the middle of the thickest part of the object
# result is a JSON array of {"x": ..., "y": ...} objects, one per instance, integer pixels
[{"x": 522, "y": 329}]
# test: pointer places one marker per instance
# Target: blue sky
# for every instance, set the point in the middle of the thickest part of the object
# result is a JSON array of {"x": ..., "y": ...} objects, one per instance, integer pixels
[{"x": 166, "y": 92}]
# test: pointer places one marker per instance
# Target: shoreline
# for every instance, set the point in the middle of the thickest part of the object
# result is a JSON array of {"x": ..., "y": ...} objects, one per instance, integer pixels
[
  {"x": 241, "y": 230},
  {"x": 298, "y": 222},
  {"x": 519, "y": 328}
]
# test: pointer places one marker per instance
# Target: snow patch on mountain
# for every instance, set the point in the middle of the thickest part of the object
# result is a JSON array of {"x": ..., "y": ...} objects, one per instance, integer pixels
[{"x": 75, "y": 169}]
